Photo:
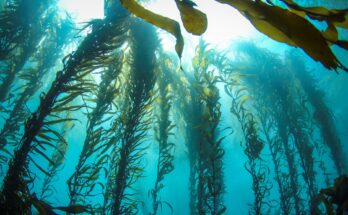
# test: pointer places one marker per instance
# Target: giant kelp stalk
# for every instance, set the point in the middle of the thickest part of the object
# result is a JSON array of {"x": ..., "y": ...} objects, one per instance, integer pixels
[
  {"x": 322, "y": 113},
  {"x": 298, "y": 118},
  {"x": 163, "y": 131},
  {"x": 202, "y": 116},
  {"x": 136, "y": 119},
  {"x": 187, "y": 117},
  {"x": 47, "y": 54},
  {"x": 83, "y": 180},
  {"x": 58, "y": 157},
  {"x": 291, "y": 114},
  {"x": 91, "y": 53},
  {"x": 267, "y": 125},
  {"x": 270, "y": 86},
  {"x": 22, "y": 25},
  {"x": 253, "y": 146}
]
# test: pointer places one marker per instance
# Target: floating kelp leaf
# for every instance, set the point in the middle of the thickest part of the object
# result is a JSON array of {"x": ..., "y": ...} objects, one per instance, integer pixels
[
  {"x": 194, "y": 20},
  {"x": 337, "y": 17},
  {"x": 285, "y": 26},
  {"x": 331, "y": 33},
  {"x": 162, "y": 22}
]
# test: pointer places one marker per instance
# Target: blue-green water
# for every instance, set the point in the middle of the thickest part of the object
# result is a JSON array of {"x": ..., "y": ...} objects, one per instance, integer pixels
[{"x": 100, "y": 115}]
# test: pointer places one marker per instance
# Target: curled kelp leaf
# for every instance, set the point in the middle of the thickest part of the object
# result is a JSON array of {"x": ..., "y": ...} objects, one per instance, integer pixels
[
  {"x": 333, "y": 18},
  {"x": 194, "y": 20},
  {"x": 162, "y": 22},
  {"x": 287, "y": 27},
  {"x": 338, "y": 18}
]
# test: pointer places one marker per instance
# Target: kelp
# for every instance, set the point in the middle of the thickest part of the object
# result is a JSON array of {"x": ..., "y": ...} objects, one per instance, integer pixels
[
  {"x": 336, "y": 196},
  {"x": 202, "y": 116},
  {"x": 322, "y": 114},
  {"x": 291, "y": 112},
  {"x": 194, "y": 20},
  {"x": 187, "y": 114},
  {"x": 58, "y": 157},
  {"x": 163, "y": 131},
  {"x": 92, "y": 159},
  {"x": 270, "y": 85},
  {"x": 90, "y": 53},
  {"x": 22, "y": 27},
  {"x": 287, "y": 27},
  {"x": 32, "y": 78},
  {"x": 18, "y": 20},
  {"x": 135, "y": 120},
  {"x": 120, "y": 110},
  {"x": 253, "y": 145}
]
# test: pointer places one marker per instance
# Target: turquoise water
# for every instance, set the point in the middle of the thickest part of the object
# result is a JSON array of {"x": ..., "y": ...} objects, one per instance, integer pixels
[{"x": 100, "y": 115}]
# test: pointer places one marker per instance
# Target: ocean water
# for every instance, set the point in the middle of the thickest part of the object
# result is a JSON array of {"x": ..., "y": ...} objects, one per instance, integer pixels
[{"x": 101, "y": 114}]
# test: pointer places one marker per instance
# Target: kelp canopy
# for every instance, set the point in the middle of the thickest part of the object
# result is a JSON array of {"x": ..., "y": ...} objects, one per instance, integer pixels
[{"x": 100, "y": 119}]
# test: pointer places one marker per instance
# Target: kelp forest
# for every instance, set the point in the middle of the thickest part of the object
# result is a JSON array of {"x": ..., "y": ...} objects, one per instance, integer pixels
[{"x": 101, "y": 117}]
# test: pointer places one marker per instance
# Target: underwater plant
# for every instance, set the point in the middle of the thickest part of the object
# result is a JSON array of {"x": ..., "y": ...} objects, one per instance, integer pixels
[
  {"x": 253, "y": 144},
  {"x": 90, "y": 53},
  {"x": 163, "y": 131},
  {"x": 135, "y": 120},
  {"x": 336, "y": 196},
  {"x": 284, "y": 25},
  {"x": 119, "y": 83},
  {"x": 22, "y": 26},
  {"x": 92, "y": 158},
  {"x": 201, "y": 111},
  {"x": 322, "y": 114},
  {"x": 268, "y": 85},
  {"x": 44, "y": 61},
  {"x": 58, "y": 157}
]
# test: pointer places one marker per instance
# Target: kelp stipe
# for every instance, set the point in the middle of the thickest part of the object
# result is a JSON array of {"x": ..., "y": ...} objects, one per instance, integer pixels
[
  {"x": 58, "y": 158},
  {"x": 269, "y": 86},
  {"x": 136, "y": 121},
  {"x": 22, "y": 25},
  {"x": 322, "y": 113},
  {"x": 201, "y": 112},
  {"x": 92, "y": 158},
  {"x": 210, "y": 159},
  {"x": 91, "y": 52},
  {"x": 46, "y": 57},
  {"x": 163, "y": 131},
  {"x": 252, "y": 144}
]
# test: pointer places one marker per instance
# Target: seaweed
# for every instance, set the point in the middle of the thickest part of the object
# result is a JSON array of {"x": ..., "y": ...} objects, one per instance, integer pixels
[
  {"x": 163, "y": 131},
  {"x": 269, "y": 85},
  {"x": 322, "y": 114},
  {"x": 203, "y": 140},
  {"x": 253, "y": 145},
  {"x": 58, "y": 157},
  {"x": 22, "y": 27},
  {"x": 44, "y": 60},
  {"x": 135, "y": 121},
  {"x": 91, "y": 53},
  {"x": 83, "y": 181}
]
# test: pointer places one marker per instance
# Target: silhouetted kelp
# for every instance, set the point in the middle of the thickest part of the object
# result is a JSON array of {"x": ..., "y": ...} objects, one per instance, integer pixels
[
  {"x": 283, "y": 107},
  {"x": 252, "y": 144},
  {"x": 91, "y": 53},
  {"x": 322, "y": 113},
  {"x": 22, "y": 26},
  {"x": 336, "y": 197},
  {"x": 135, "y": 116},
  {"x": 121, "y": 110},
  {"x": 201, "y": 112},
  {"x": 46, "y": 57},
  {"x": 163, "y": 131},
  {"x": 83, "y": 181}
]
